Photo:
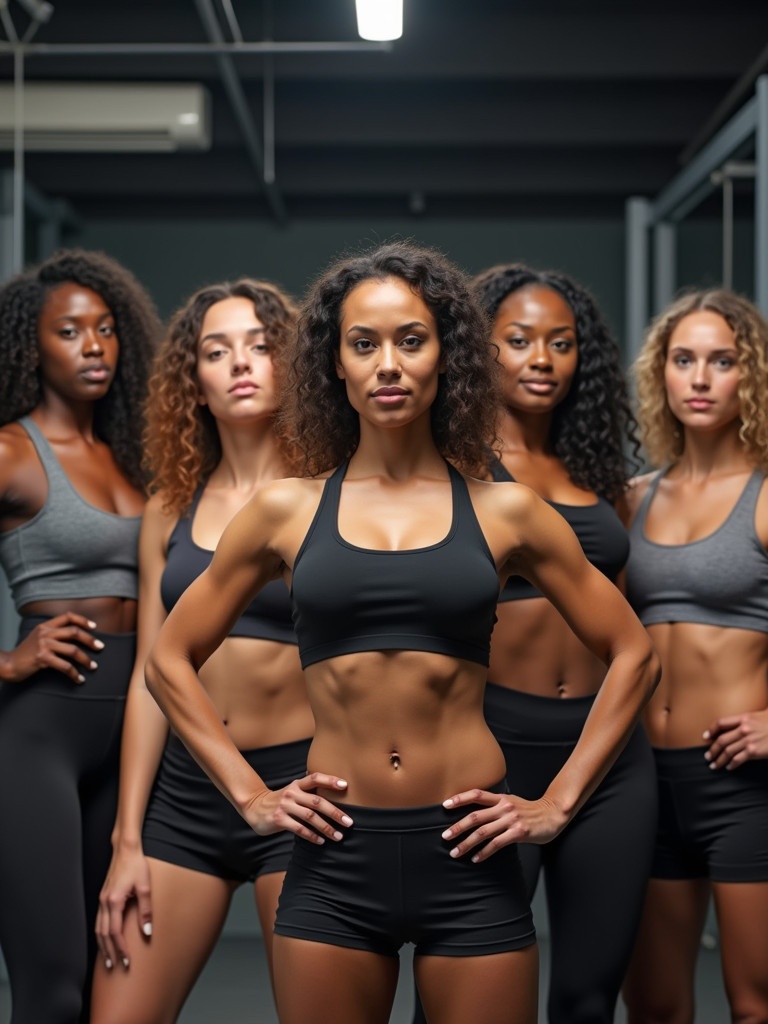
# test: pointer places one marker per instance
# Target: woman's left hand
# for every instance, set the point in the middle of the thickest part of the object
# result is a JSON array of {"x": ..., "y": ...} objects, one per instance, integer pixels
[
  {"x": 736, "y": 739},
  {"x": 501, "y": 819}
]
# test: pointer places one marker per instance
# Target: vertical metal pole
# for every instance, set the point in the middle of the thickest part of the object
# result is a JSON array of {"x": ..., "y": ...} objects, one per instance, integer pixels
[
  {"x": 727, "y": 276},
  {"x": 664, "y": 264},
  {"x": 18, "y": 159},
  {"x": 761, "y": 196},
  {"x": 637, "y": 219},
  {"x": 6, "y": 224},
  {"x": 269, "y": 99}
]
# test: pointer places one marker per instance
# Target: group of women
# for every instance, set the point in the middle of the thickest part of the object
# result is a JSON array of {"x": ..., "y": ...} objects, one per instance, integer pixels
[{"x": 367, "y": 647}]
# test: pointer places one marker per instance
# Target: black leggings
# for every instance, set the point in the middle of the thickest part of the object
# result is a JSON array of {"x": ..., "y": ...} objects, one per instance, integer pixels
[
  {"x": 59, "y": 759},
  {"x": 597, "y": 869}
]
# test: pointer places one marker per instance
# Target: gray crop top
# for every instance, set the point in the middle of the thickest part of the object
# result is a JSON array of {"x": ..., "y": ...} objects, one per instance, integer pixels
[
  {"x": 720, "y": 580},
  {"x": 70, "y": 549}
]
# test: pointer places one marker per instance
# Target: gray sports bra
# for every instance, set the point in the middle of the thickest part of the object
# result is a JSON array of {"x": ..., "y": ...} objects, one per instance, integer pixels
[
  {"x": 70, "y": 549},
  {"x": 720, "y": 580}
]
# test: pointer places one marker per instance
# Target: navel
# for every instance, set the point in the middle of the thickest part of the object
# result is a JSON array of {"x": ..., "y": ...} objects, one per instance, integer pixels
[{"x": 394, "y": 760}]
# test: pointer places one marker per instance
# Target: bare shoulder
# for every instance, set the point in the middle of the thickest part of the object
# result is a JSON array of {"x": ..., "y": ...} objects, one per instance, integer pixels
[
  {"x": 17, "y": 455},
  {"x": 282, "y": 499},
  {"x": 508, "y": 500},
  {"x": 634, "y": 494}
]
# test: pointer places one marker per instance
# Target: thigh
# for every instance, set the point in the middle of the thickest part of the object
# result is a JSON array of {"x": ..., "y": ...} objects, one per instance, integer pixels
[
  {"x": 742, "y": 915},
  {"x": 501, "y": 988},
  {"x": 316, "y": 983},
  {"x": 659, "y": 985},
  {"x": 596, "y": 874},
  {"x": 267, "y": 890},
  {"x": 188, "y": 912}
]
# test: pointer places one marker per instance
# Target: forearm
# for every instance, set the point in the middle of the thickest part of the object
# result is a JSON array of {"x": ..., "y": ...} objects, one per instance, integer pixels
[
  {"x": 628, "y": 685},
  {"x": 145, "y": 729},
  {"x": 174, "y": 684}
]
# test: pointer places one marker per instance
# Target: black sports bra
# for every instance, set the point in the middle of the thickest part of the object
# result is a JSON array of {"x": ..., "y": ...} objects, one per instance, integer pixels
[
  {"x": 600, "y": 531},
  {"x": 441, "y": 598},
  {"x": 267, "y": 617}
]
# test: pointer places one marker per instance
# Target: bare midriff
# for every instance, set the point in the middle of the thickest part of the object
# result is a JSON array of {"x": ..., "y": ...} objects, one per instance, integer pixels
[
  {"x": 708, "y": 672},
  {"x": 404, "y": 728},
  {"x": 533, "y": 650},
  {"x": 111, "y": 614}
]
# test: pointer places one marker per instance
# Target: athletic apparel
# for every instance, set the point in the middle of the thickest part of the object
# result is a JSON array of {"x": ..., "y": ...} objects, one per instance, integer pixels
[
  {"x": 70, "y": 549},
  {"x": 440, "y": 598},
  {"x": 191, "y": 824},
  {"x": 720, "y": 580},
  {"x": 596, "y": 870},
  {"x": 391, "y": 880},
  {"x": 267, "y": 617},
  {"x": 600, "y": 532},
  {"x": 59, "y": 760},
  {"x": 712, "y": 823}
]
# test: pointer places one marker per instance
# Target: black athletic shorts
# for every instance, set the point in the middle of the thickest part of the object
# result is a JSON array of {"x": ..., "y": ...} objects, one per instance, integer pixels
[
  {"x": 391, "y": 880},
  {"x": 712, "y": 823},
  {"x": 189, "y": 822}
]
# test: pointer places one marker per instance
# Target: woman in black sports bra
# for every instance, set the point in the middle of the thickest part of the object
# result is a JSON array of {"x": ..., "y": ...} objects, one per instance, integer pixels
[
  {"x": 77, "y": 334},
  {"x": 698, "y": 578},
  {"x": 180, "y": 849},
  {"x": 406, "y": 831},
  {"x": 564, "y": 422}
]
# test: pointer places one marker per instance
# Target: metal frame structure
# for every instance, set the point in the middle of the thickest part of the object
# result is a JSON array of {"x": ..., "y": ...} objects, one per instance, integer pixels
[
  {"x": 651, "y": 225},
  {"x": 260, "y": 150}
]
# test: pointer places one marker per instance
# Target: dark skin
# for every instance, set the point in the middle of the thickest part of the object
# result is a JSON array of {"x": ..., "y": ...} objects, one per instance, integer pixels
[{"x": 79, "y": 350}]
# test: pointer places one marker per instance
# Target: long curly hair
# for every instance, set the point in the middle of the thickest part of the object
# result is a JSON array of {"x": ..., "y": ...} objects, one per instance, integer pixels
[
  {"x": 593, "y": 428},
  {"x": 662, "y": 434},
  {"x": 181, "y": 439},
  {"x": 320, "y": 419},
  {"x": 138, "y": 330}
]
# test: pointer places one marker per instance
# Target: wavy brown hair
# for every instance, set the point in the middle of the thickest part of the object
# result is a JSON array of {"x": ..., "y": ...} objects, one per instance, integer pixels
[
  {"x": 181, "y": 439},
  {"x": 318, "y": 416},
  {"x": 116, "y": 416},
  {"x": 662, "y": 434}
]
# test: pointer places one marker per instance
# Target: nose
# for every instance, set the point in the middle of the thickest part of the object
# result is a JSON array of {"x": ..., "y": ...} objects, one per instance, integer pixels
[
  {"x": 241, "y": 359},
  {"x": 540, "y": 356},
  {"x": 701, "y": 375},
  {"x": 389, "y": 361},
  {"x": 93, "y": 343}
]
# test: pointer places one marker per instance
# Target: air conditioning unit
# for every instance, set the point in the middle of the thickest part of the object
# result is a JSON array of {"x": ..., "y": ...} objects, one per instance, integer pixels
[{"x": 102, "y": 117}]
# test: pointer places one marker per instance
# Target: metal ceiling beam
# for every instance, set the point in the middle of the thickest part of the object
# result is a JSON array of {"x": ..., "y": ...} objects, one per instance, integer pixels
[{"x": 189, "y": 49}]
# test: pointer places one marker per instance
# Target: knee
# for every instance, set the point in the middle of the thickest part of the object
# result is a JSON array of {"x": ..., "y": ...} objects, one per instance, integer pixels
[
  {"x": 647, "y": 1010},
  {"x": 747, "y": 1011},
  {"x": 581, "y": 1008}
]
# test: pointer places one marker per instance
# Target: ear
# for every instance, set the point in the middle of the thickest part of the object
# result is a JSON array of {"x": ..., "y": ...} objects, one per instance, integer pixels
[
  {"x": 201, "y": 399},
  {"x": 339, "y": 368}
]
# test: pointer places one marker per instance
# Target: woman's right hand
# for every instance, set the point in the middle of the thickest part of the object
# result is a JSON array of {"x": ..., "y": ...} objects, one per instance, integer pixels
[
  {"x": 53, "y": 644},
  {"x": 128, "y": 879},
  {"x": 297, "y": 808}
]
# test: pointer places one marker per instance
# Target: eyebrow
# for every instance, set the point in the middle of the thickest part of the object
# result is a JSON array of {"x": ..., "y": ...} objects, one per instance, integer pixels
[
  {"x": 372, "y": 330},
  {"x": 224, "y": 336},
  {"x": 715, "y": 352},
  {"x": 529, "y": 327},
  {"x": 78, "y": 316}
]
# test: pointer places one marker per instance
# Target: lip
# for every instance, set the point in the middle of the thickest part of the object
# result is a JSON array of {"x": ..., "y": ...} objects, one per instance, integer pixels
[
  {"x": 389, "y": 395},
  {"x": 244, "y": 387},
  {"x": 539, "y": 387},
  {"x": 96, "y": 373},
  {"x": 699, "y": 404}
]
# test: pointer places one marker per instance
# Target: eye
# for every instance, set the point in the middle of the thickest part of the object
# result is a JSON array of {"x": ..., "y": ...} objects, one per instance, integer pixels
[
  {"x": 680, "y": 360},
  {"x": 68, "y": 333},
  {"x": 562, "y": 345},
  {"x": 363, "y": 345},
  {"x": 517, "y": 341},
  {"x": 261, "y": 347},
  {"x": 107, "y": 330},
  {"x": 214, "y": 353},
  {"x": 411, "y": 341},
  {"x": 725, "y": 363}
]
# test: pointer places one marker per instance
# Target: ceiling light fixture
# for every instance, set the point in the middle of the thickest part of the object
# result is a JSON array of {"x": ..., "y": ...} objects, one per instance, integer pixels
[{"x": 379, "y": 20}]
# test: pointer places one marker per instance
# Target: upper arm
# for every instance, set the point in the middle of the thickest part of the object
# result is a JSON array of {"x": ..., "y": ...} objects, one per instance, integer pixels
[
  {"x": 550, "y": 556},
  {"x": 248, "y": 556},
  {"x": 156, "y": 528}
]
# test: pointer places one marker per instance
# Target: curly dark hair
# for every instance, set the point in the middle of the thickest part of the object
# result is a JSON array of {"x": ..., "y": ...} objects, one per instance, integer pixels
[
  {"x": 593, "y": 427},
  {"x": 663, "y": 437},
  {"x": 181, "y": 439},
  {"x": 138, "y": 330},
  {"x": 325, "y": 427}
]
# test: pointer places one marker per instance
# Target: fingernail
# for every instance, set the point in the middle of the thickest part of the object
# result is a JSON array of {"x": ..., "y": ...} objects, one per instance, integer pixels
[
  {"x": 126, "y": 962},
  {"x": 346, "y": 820},
  {"x": 147, "y": 928},
  {"x": 99, "y": 645},
  {"x": 475, "y": 859},
  {"x": 108, "y": 964},
  {"x": 91, "y": 624},
  {"x": 341, "y": 783},
  {"x": 92, "y": 664},
  {"x": 447, "y": 803},
  {"x": 338, "y": 835},
  {"x": 713, "y": 765},
  {"x": 454, "y": 852},
  {"x": 80, "y": 679},
  {"x": 447, "y": 834},
  {"x": 707, "y": 756},
  {"x": 706, "y": 734}
]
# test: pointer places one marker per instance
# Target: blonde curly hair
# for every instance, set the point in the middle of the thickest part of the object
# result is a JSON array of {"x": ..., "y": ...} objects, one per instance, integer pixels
[{"x": 661, "y": 431}]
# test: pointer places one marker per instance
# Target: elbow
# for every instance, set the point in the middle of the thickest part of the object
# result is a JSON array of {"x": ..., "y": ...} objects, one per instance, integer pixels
[
  {"x": 651, "y": 672},
  {"x": 153, "y": 677}
]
